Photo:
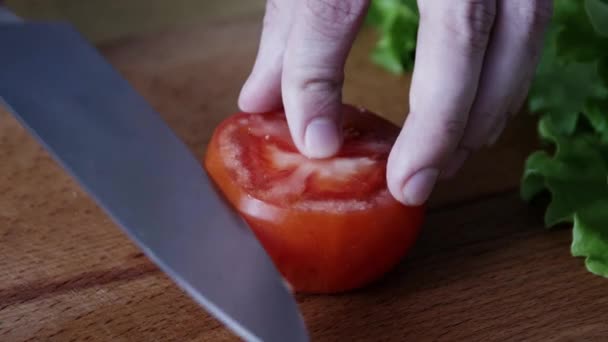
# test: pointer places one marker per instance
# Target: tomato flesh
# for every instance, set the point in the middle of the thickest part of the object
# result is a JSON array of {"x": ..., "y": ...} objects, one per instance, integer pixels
[{"x": 330, "y": 225}]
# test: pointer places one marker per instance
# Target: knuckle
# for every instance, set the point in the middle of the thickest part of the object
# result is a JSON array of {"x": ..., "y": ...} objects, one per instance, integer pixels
[
  {"x": 321, "y": 85},
  {"x": 314, "y": 79},
  {"x": 471, "y": 23},
  {"x": 447, "y": 131},
  {"x": 331, "y": 17},
  {"x": 453, "y": 129}
]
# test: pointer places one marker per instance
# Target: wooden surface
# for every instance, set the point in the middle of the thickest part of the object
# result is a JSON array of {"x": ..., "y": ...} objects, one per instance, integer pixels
[
  {"x": 106, "y": 20},
  {"x": 483, "y": 270}
]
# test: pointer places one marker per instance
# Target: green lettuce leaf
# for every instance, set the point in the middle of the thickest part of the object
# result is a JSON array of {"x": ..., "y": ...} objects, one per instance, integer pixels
[
  {"x": 576, "y": 176},
  {"x": 597, "y": 11},
  {"x": 568, "y": 74},
  {"x": 397, "y": 24},
  {"x": 590, "y": 242},
  {"x": 595, "y": 112},
  {"x": 570, "y": 95},
  {"x": 577, "y": 38}
]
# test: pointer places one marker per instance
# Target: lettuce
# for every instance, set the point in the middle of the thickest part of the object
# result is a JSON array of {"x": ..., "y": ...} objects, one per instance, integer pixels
[
  {"x": 397, "y": 23},
  {"x": 569, "y": 96},
  {"x": 576, "y": 177}
]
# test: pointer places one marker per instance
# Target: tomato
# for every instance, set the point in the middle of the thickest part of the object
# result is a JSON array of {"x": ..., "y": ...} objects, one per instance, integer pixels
[{"x": 330, "y": 225}]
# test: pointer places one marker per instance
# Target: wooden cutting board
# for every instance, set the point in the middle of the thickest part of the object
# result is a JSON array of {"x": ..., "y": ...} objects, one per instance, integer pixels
[{"x": 484, "y": 268}]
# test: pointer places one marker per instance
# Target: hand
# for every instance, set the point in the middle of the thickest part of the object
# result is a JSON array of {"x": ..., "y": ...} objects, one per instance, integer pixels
[{"x": 475, "y": 60}]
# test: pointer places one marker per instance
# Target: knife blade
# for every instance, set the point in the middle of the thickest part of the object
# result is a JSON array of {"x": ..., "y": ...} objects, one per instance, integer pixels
[{"x": 122, "y": 153}]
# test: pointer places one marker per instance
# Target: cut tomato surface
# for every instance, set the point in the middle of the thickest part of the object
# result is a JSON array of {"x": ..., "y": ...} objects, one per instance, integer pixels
[{"x": 330, "y": 225}]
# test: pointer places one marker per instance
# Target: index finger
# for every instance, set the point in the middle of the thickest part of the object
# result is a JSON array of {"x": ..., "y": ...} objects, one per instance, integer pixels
[
  {"x": 321, "y": 37},
  {"x": 452, "y": 40}
]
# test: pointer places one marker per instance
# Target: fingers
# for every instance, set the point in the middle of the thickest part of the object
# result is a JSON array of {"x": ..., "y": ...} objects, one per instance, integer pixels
[
  {"x": 511, "y": 60},
  {"x": 475, "y": 61},
  {"x": 537, "y": 20},
  {"x": 452, "y": 41},
  {"x": 300, "y": 66},
  {"x": 262, "y": 91},
  {"x": 321, "y": 37}
]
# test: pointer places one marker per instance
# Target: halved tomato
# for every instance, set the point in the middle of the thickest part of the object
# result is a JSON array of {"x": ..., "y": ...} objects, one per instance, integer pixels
[{"x": 329, "y": 225}]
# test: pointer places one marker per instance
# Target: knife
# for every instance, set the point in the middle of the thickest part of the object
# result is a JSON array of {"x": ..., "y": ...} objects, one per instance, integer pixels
[{"x": 114, "y": 144}]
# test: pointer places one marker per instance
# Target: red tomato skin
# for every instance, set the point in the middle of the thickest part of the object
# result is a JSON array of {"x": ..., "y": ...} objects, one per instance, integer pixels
[{"x": 322, "y": 252}]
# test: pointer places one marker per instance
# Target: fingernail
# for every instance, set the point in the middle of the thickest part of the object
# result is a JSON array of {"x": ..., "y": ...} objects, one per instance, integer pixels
[
  {"x": 455, "y": 164},
  {"x": 322, "y": 138},
  {"x": 419, "y": 187}
]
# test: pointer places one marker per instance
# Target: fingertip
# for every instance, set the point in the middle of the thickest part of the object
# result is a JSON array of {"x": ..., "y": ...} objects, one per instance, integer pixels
[
  {"x": 260, "y": 95},
  {"x": 418, "y": 188},
  {"x": 411, "y": 175},
  {"x": 397, "y": 194},
  {"x": 244, "y": 99},
  {"x": 394, "y": 168},
  {"x": 261, "y": 91},
  {"x": 322, "y": 138}
]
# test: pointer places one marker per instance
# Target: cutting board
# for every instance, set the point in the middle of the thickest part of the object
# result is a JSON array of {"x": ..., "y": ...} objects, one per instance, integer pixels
[{"x": 483, "y": 269}]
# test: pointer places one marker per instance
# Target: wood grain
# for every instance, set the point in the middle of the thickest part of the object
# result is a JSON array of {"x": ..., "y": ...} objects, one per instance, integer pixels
[
  {"x": 484, "y": 268},
  {"x": 467, "y": 282},
  {"x": 107, "y": 20}
]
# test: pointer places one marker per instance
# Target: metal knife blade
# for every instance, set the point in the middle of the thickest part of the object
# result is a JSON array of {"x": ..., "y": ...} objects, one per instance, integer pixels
[{"x": 124, "y": 155}]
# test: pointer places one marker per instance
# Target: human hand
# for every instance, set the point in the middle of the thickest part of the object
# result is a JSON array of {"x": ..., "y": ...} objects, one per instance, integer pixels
[{"x": 475, "y": 60}]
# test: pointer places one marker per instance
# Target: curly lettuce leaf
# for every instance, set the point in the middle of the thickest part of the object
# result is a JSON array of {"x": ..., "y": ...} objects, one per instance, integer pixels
[
  {"x": 595, "y": 112},
  {"x": 588, "y": 241},
  {"x": 569, "y": 74},
  {"x": 577, "y": 39},
  {"x": 576, "y": 176},
  {"x": 570, "y": 94},
  {"x": 560, "y": 90}
]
